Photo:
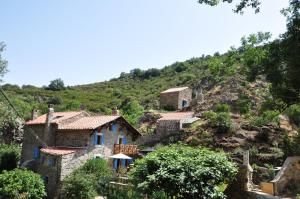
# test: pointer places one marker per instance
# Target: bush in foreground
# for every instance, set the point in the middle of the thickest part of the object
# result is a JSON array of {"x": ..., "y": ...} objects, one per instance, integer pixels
[
  {"x": 87, "y": 181},
  {"x": 9, "y": 156},
  {"x": 183, "y": 172},
  {"x": 21, "y": 184}
]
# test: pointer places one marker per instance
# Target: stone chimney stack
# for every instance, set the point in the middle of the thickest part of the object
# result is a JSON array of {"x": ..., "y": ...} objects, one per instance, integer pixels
[
  {"x": 115, "y": 111},
  {"x": 34, "y": 114},
  {"x": 48, "y": 134}
]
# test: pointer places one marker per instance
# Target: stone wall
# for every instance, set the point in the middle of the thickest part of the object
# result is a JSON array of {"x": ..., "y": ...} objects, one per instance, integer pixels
[
  {"x": 174, "y": 99},
  {"x": 51, "y": 172},
  {"x": 33, "y": 137},
  {"x": 169, "y": 100},
  {"x": 73, "y": 138},
  {"x": 185, "y": 94},
  {"x": 167, "y": 127},
  {"x": 288, "y": 178}
]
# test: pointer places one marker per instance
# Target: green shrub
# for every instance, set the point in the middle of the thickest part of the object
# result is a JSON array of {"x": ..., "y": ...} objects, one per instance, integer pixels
[
  {"x": 183, "y": 172},
  {"x": 17, "y": 183},
  {"x": 222, "y": 108},
  {"x": 209, "y": 115},
  {"x": 293, "y": 112},
  {"x": 88, "y": 180},
  {"x": 132, "y": 111},
  {"x": 79, "y": 186},
  {"x": 97, "y": 167},
  {"x": 9, "y": 156},
  {"x": 267, "y": 117},
  {"x": 243, "y": 104},
  {"x": 272, "y": 104},
  {"x": 125, "y": 193},
  {"x": 291, "y": 145},
  {"x": 221, "y": 121}
]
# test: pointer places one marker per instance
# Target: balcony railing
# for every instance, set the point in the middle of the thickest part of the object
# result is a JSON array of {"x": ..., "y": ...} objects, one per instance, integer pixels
[{"x": 126, "y": 149}]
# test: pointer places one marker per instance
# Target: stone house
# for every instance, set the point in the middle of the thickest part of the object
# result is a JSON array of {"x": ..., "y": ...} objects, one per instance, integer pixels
[
  {"x": 172, "y": 122},
  {"x": 176, "y": 98},
  {"x": 56, "y": 143}
]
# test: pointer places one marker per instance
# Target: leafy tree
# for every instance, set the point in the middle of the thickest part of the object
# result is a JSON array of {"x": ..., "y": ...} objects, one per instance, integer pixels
[
  {"x": 253, "y": 53},
  {"x": 239, "y": 6},
  {"x": 55, "y": 100},
  {"x": 21, "y": 183},
  {"x": 8, "y": 120},
  {"x": 132, "y": 111},
  {"x": 293, "y": 112},
  {"x": 56, "y": 85},
  {"x": 9, "y": 156},
  {"x": 283, "y": 64},
  {"x": 183, "y": 172},
  {"x": 292, "y": 145},
  {"x": 3, "y": 63}
]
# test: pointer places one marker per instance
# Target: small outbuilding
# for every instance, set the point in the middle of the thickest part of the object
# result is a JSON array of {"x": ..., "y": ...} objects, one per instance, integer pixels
[{"x": 176, "y": 98}]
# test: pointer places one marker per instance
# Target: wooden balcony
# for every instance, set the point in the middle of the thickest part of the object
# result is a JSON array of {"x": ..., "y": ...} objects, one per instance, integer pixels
[{"x": 126, "y": 149}]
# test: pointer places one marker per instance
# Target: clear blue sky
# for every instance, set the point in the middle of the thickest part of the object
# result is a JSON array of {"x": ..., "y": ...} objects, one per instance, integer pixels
[{"x": 91, "y": 41}]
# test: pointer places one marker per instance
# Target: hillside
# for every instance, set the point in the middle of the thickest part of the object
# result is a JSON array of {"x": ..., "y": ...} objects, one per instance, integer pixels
[
  {"x": 239, "y": 110},
  {"x": 142, "y": 86}
]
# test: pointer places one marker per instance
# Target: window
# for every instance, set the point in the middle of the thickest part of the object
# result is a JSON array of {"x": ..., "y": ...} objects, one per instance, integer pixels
[
  {"x": 51, "y": 161},
  {"x": 46, "y": 179},
  {"x": 36, "y": 153},
  {"x": 98, "y": 139},
  {"x": 121, "y": 139},
  {"x": 184, "y": 103}
]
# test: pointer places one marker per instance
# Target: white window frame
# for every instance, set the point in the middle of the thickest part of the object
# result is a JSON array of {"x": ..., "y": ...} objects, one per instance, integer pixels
[
  {"x": 97, "y": 134},
  {"x": 120, "y": 136}
]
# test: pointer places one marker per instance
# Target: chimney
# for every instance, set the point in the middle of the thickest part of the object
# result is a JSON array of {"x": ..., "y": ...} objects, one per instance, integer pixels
[
  {"x": 49, "y": 116},
  {"x": 48, "y": 134},
  {"x": 115, "y": 111},
  {"x": 34, "y": 114}
]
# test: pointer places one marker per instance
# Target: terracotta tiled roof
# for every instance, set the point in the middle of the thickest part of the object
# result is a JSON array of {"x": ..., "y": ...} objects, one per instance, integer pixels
[
  {"x": 88, "y": 123},
  {"x": 171, "y": 90},
  {"x": 57, "y": 117},
  {"x": 175, "y": 115},
  {"x": 60, "y": 150}
]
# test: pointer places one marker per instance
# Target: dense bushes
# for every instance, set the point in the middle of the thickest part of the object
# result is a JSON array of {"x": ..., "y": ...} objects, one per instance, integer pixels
[
  {"x": 265, "y": 118},
  {"x": 292, "y": 145},
  {"x": 79, "y": 185},
  {"x": 9, "y": 156},
  {"x": 21, "y": 184},
  {"x": 132, "y": 112},
  {"x": 220, "y": 120},
  {"x": 293, "y": 112},
  {"x": 87, "y": 181},
  {"x": 183, "y": 172}
]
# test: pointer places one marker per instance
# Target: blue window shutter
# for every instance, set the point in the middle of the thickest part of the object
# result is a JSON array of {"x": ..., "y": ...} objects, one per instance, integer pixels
[
  {"x": 115, "y": 164},
  {"x": 124, "y": 140},
  {"x": 130, "y": 161},
  {"x": 95, "y": 138},
  {"x": 123, "y": 163},
  {"x": 36, "y": 153},
  {"x": 102, "y": 139},
  {"x": 114, "y": 128}
]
